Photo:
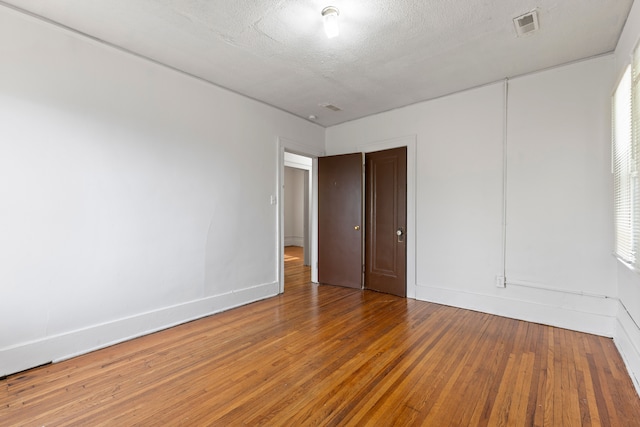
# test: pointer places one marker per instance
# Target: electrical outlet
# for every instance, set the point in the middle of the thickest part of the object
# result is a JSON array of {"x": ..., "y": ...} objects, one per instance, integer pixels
[{"x": 500, "y": 282}]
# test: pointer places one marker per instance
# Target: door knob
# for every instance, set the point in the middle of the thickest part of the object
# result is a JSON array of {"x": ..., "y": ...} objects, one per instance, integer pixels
[
  {"x": 399, "y": 232},
  {"x": 357, "y": 227}
]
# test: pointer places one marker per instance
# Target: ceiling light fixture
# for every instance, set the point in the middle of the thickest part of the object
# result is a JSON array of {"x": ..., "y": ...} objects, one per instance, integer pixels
[{"x": 330, "y": 18}]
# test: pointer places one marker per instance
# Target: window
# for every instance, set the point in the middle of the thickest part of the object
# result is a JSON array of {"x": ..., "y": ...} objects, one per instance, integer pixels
[
  {"x": 625, "y": 163},
  {"x": 624, "y": 171}
]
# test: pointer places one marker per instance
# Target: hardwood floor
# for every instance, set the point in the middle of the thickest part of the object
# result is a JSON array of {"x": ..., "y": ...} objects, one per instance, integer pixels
[{"x": 321, "y": 355}]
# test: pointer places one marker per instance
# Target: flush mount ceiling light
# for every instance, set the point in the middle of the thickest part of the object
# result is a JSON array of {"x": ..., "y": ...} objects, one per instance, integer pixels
[{"x": 330, "y": 18}]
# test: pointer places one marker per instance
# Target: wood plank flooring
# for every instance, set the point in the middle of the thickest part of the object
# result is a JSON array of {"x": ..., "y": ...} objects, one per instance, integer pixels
[{"x": 322, "y": 355}]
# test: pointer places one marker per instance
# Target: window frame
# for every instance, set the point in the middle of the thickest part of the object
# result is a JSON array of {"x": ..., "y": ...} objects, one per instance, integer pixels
[{"x": 623, "y": 168}]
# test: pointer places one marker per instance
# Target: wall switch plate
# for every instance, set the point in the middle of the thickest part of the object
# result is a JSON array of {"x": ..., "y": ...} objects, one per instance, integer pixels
[{"x": 500, "y": 282}]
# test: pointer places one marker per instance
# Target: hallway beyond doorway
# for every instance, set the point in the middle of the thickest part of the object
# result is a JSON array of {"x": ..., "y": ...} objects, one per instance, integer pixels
[{"x": 296, "y": 274}]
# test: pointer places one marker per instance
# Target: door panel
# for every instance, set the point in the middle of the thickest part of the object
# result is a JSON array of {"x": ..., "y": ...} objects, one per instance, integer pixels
[
  {"x": 386, "y": 216},
  {"x": 340, "y": 203}
]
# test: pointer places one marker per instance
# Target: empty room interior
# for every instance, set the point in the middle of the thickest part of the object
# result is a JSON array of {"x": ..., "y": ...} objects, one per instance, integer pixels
[{"x": 155, "y": 270}]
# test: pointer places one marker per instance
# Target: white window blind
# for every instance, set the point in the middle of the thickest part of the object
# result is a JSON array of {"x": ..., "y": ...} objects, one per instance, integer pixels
[
  {"x": 635, "y": 157},
  {"x": 623, "y": 169}
]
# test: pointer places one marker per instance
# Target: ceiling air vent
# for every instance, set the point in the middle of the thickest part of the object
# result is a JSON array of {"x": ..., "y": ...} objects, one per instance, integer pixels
[
  {"x": 527, "y": 23},
  {"x": 331, "y": 107}
]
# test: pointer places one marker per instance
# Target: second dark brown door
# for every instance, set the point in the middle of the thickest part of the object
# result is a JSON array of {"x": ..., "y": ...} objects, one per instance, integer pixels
[{"x": 386, "y": 217}]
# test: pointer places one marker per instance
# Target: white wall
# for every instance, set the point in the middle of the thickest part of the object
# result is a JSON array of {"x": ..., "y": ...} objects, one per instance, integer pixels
[
  {"x": 558, "y": 195},
  {"x": 627, "y": 336},
  {"x": 133, "y": 197},
  {"x": 559, "y": 187},
  {"x": 293, "y": 206}
]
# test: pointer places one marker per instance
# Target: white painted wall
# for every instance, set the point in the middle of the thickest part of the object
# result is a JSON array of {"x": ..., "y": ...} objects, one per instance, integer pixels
[
  {"x": 559, "y": 186},
  {"x": 294, "y": 206},
  {"x": 627, "y": 337},
  {"x": 558, "y": 195},
  {"x": 132, "y": 197}
]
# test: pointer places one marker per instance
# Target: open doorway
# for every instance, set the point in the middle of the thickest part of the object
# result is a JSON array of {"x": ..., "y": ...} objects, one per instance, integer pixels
[
  {"x": 297, "y": 208},
  {"x": 288, "y": 145}
]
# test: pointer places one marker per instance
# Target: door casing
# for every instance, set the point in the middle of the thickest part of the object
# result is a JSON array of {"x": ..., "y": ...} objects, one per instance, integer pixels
[{"x": 409, "y": 141}]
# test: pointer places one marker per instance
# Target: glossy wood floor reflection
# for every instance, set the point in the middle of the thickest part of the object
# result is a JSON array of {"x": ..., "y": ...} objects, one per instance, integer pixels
[{"x": 320, "y": 355}]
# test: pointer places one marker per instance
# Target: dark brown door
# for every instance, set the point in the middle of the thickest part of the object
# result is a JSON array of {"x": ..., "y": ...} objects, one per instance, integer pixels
[
  {"x": 386, "y": 219},
  {"x": 340, "y": 220}
]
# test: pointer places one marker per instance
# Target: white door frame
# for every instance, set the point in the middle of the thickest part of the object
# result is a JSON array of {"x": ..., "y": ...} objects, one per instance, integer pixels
[
  {"x": 307, "y": 180},
  {"x": 291, "y": 146},
  {"x": 285, "y": 144}
]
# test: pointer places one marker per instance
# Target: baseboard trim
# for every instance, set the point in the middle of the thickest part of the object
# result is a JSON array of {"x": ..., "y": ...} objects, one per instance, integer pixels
[
  {"x": 627, "y": 333},
  {"x": 71, "y": 344},
  {"x": 582, "y": 313},
  {"x": 293, "y": 241}
]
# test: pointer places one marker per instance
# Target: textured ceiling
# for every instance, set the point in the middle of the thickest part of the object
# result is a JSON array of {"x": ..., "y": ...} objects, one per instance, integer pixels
[{"x": 390, "y": 53}]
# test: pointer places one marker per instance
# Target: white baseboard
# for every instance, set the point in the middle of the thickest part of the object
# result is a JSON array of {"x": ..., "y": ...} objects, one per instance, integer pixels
[
  {"x": 627, "y": 339},
  {"x": 583, "y": 313},
  {"x": 64, "y": 346},
  {"x": 293, "y": 241}
]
